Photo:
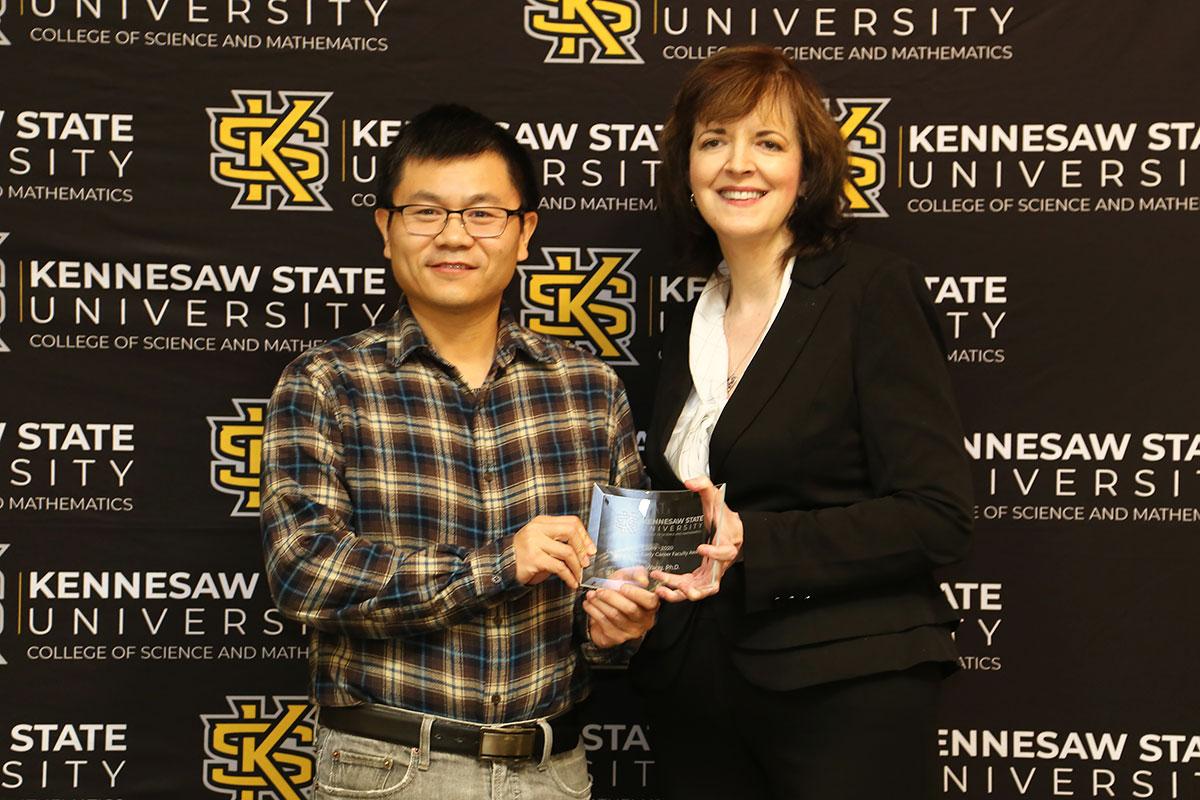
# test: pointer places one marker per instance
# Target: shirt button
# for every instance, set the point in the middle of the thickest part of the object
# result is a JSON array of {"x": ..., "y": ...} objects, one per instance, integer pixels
[
  {"x": 495, "y": 699},
  {"x": 496, "y": 578}
]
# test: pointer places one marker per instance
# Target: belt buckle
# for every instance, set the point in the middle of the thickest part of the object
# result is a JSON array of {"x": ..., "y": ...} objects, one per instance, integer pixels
[{"x": 502, "y": 743}]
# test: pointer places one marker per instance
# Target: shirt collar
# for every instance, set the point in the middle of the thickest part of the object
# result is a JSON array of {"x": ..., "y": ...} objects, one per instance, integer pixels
[
  {"x": 406, "y": 339},
  {"x": 513, "y": 338},
  {"x": 715, "y": 295},
  {"x": 708, "y": 354}
]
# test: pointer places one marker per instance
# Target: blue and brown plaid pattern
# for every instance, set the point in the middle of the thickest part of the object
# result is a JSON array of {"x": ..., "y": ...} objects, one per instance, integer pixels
[{"x": 391, "y": 495}]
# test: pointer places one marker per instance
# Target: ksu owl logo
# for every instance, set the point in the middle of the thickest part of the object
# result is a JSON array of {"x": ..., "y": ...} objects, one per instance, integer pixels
[
  {"x": 592, "y": 304},
  {"x": 274, "y": 151},
  {"x": 605, "y": 29},
  {"x": 255, "y": 754},
  {"x": 866, "y": 139},
  {"x": 236, "y": 446}
]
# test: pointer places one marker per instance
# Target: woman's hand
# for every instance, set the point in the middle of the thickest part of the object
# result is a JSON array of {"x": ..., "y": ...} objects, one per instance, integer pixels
[{"x": 716, "y": 557}]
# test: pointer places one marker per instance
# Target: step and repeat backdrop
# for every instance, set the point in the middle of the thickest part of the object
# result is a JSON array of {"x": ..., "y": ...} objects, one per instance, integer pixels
[{"x": 185, "y": 205}]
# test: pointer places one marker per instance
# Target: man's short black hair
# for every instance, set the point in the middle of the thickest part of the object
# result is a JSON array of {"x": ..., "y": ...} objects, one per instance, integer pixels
[{"x": 448, "y": 131}]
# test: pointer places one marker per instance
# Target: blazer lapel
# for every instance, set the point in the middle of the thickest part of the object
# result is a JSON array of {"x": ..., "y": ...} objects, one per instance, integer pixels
[{"x": 780, "y": 349}]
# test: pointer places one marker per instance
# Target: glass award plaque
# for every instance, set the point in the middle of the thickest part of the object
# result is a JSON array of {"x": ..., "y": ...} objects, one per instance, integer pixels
[{"x": 637, "y": 531}]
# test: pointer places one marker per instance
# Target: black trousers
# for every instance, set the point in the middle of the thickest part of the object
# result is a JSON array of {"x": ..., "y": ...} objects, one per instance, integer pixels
[{"x": 714, "y": 735}]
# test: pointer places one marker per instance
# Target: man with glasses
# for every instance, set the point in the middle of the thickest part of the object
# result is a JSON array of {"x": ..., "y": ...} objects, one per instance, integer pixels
[{"x": 422, "y": 487}]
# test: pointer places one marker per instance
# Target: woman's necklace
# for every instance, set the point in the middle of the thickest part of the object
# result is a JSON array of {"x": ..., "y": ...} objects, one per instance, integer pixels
[{"x": 735, "y": 374}]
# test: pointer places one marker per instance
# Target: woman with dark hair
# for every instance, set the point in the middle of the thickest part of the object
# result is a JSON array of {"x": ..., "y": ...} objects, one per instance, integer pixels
[{"x": 810, "y": 378}]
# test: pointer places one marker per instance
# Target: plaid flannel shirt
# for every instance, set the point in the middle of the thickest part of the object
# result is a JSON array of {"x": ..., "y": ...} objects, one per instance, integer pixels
[{"x": 391, "y": 496}]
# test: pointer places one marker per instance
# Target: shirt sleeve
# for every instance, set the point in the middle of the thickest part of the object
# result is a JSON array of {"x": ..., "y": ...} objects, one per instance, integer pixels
[
  {"x": 626, "y": 465},
  {"x": 625, "y": 469},
  {"x": 320, "y": 572}
]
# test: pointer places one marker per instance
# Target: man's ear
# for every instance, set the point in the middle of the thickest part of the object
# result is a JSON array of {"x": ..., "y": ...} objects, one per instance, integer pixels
[
  {"x": 529, "y": 221},
  {"x": 382, "y": 217}
]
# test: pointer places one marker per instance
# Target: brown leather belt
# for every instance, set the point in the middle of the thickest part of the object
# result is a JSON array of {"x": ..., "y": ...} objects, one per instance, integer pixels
[{"x": 403, "y": 727}]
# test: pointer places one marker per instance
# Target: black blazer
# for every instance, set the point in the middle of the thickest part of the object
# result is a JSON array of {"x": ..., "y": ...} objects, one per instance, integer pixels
[{"x": 842, "y": 451}]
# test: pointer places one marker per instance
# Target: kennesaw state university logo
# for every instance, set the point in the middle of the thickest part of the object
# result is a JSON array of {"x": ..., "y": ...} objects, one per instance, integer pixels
[
  {"x": 593, "y": 304},
  {"x": 867, "y": 140},
  {"x": 254, "y": 755},
  {"x": 605, "y": 28},
  {"x": 237, "y": 454},
  {"x": 272, "y": 151}
]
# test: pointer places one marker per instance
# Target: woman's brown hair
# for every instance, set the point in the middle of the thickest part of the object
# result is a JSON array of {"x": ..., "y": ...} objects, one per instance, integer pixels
[{"x": 727, "y": 86}]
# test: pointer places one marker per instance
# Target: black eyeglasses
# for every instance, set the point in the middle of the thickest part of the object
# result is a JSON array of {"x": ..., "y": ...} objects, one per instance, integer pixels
[{"x": 480, "y": 222}]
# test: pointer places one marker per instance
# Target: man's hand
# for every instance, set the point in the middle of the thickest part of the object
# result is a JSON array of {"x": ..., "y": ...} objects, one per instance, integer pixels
[
  {"x": 716, "y": 557},
  {"x": 552, "y": 546},
  {"x": 620, "y": 614}
]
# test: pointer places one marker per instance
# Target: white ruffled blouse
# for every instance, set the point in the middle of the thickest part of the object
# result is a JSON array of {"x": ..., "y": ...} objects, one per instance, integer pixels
[{"x": 708, "y": 360}]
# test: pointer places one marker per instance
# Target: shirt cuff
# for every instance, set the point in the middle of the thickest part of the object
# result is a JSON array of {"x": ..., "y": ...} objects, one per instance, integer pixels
[{"x": 494, "y": 567}]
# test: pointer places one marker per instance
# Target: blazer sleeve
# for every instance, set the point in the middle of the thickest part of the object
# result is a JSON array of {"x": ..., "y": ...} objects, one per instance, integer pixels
[{"x": 920, "y": 516}]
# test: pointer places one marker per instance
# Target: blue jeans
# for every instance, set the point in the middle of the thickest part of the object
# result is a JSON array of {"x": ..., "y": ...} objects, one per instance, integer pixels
[{"x": 356, "y": 768}]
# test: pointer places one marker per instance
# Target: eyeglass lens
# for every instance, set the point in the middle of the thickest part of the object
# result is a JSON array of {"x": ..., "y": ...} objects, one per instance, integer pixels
[{"x": 481, "y": 222}]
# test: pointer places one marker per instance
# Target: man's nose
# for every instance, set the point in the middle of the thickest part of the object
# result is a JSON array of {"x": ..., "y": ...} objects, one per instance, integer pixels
[{"x": 455, "y": 230}]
